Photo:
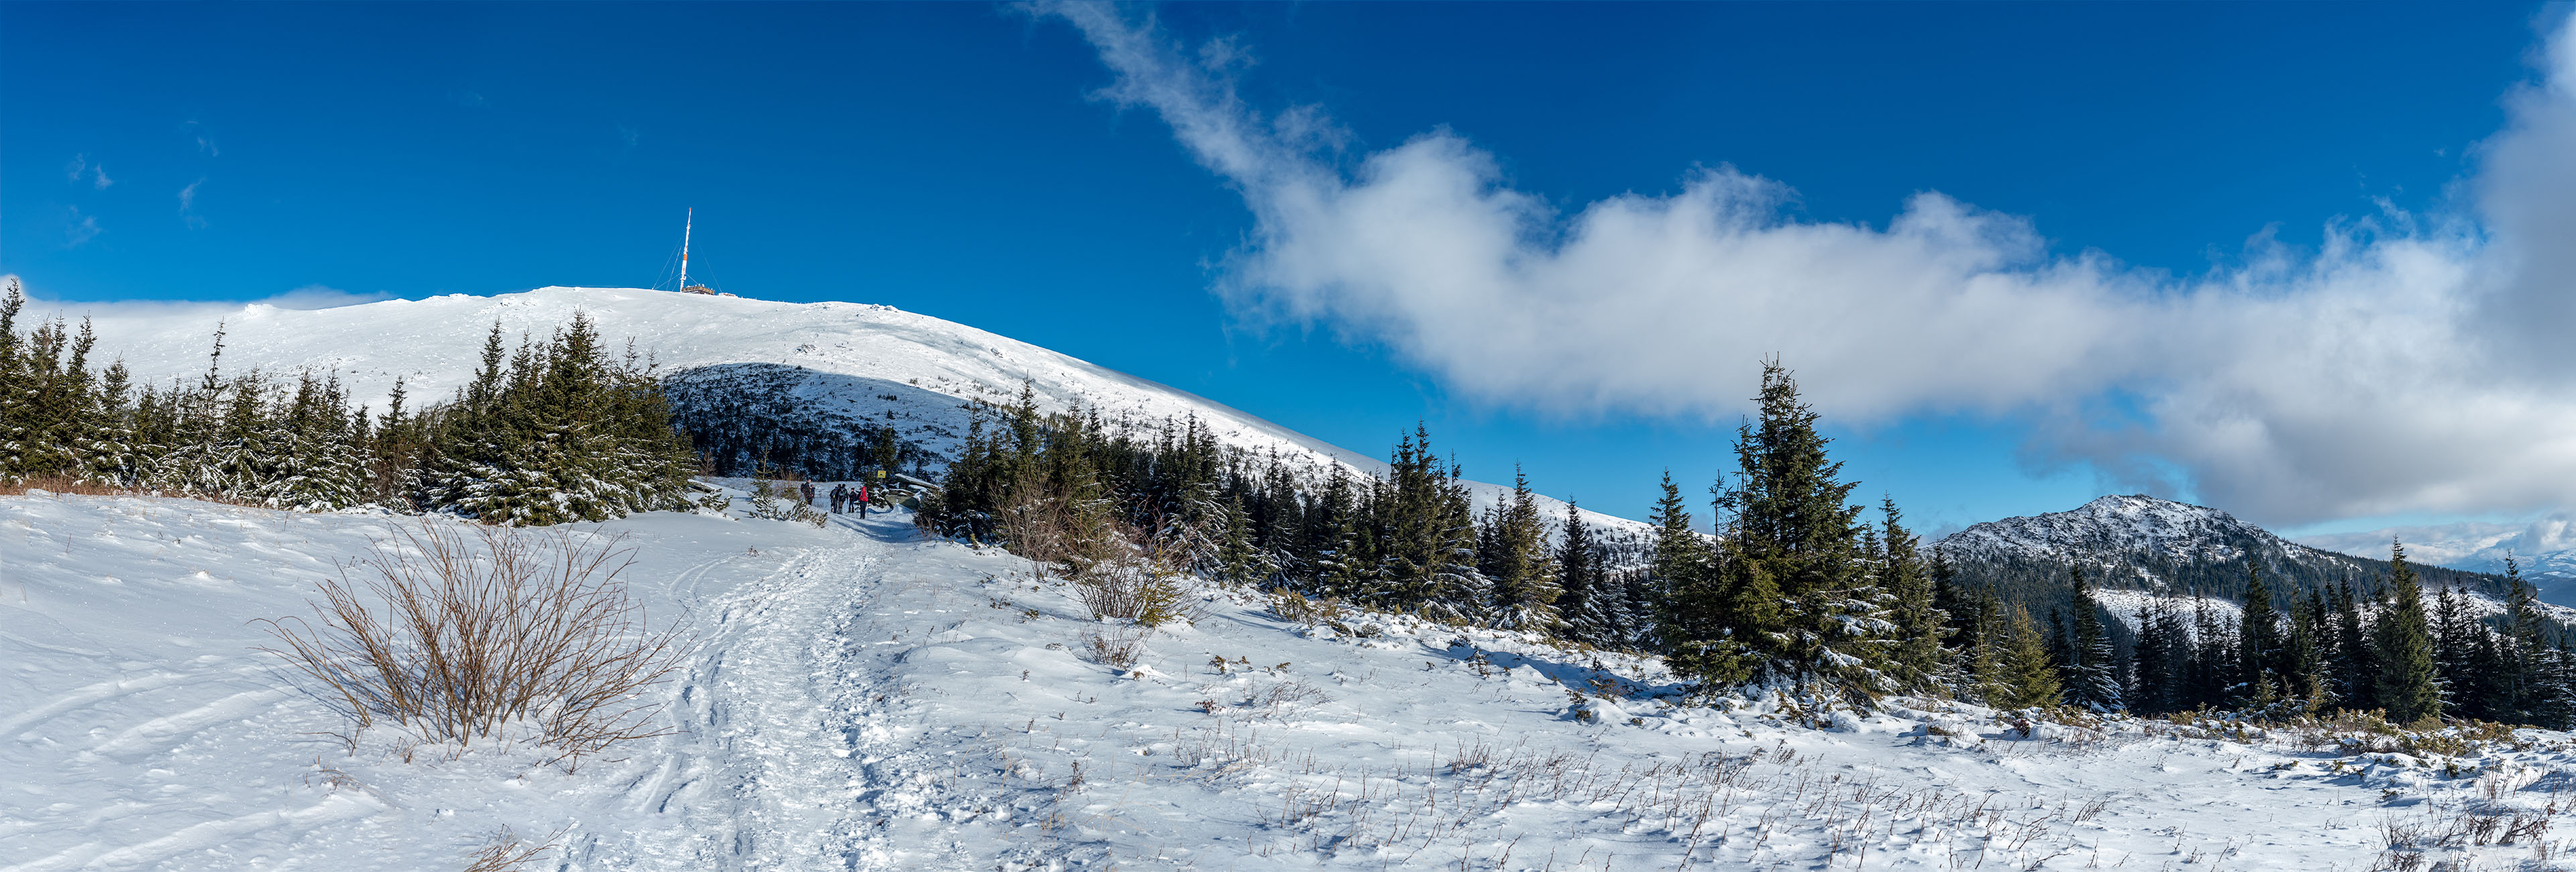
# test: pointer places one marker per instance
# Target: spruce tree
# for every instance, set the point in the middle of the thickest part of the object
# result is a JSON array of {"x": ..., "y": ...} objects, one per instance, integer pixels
[
  {"x": 2407, "y": 682},
  {"x": 2260, "y": 649},
  {"x": 2521, "y": 680},
  {"x": 2211, "y": 677},
  {"x": 1583, "y": 593},
  {"x": 1699, "y": 622},
  {"x": 2027, "y": 679},
  {"x": 1792, "y": 540},
  {"x": 2356, "y": 662},
  {"x": 2093, "y": 678},
  {"x": 1920, "y": 624},
  {"x": 2156, "y": 659},
  {"x": 1518, "y": 564}
]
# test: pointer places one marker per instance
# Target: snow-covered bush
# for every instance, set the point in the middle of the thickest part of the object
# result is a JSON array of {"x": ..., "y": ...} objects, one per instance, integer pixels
[{"x": 460, "y": 640}]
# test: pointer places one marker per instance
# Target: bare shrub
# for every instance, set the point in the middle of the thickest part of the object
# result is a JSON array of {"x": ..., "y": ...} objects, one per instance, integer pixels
[
  {"x": 1137, "y": 588},
  {"x": 1298, "y": 608},
  {"x": 1278, "y": 699},
  {"x": 474, "y": 636},
  {"x": 1116, "y": 649},
  {"x": 507, "y": 851}
]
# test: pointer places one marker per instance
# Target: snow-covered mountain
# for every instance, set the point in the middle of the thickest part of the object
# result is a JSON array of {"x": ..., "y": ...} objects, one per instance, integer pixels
[
  {"x": 2140, "y": 547},
  {"x": 2125, "y": 525},
  {"x": 849, "y": 361}
]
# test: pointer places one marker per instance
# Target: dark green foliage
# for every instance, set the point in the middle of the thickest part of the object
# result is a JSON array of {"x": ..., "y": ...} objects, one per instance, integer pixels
[
  {"x": 2406, "y": 684},
  {"x": 1586, "y": 600},
  {"x": 2157, "y": 670},
  {"x": 2092, "y": 673},
  {"x": 558, "y": 432},
  {"x": 1921, "y": 625},
  {"x": 2262, "y": 655},
  {"x": 1514, "y": 556},
  {"x": 1795, "y": 589},
  {"x": 2023, "y": 675}
]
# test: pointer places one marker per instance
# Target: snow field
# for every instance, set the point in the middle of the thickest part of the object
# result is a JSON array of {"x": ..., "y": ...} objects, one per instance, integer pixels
[{"x": 862, "y": 699}]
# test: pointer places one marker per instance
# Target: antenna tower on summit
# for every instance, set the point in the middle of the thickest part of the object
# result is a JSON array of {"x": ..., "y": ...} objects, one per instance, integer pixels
[{"x": 687, "y": 225}]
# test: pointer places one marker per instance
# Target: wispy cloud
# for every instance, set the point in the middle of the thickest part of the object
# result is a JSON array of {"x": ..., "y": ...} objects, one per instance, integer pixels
[
  {"x": 81, "y": 166},
  {"x": 188, "y": 204},
  {"x": 205, "y": 139},
  {"x": 79, "y": 229},
  {"x": 2414, "y": 363}
]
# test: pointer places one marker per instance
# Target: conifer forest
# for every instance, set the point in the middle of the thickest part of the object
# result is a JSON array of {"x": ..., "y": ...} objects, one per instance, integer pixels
[{"x": 1785, "y": 582}]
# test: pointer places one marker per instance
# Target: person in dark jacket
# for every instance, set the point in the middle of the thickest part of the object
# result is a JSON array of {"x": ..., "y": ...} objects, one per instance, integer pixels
[{"x": 806, "y": 488}]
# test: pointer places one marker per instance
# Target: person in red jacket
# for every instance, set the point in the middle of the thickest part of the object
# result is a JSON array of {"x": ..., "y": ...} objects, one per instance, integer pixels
[{"x": 863, "y": 499}]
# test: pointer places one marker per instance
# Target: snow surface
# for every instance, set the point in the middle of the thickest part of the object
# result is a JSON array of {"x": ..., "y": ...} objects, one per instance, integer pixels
[
  {"x": 864, "y": 699},
  {"x": 866, "y": 361}
]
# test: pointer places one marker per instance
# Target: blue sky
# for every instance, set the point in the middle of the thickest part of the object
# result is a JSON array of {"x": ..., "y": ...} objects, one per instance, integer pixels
[{"x": 968, "y": 161}]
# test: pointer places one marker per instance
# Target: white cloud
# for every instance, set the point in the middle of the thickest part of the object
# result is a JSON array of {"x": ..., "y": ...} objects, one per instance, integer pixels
[{"x": 2412, "y": 364}]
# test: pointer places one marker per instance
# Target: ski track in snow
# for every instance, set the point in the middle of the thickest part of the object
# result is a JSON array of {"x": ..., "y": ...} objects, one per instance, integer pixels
[{"x": 860, "y": 699}]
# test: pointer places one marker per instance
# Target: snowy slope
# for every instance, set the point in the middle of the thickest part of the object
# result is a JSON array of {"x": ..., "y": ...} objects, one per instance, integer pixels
[
  {"x": 857, "y": 360},
  {"x": 866, "y": 700}
]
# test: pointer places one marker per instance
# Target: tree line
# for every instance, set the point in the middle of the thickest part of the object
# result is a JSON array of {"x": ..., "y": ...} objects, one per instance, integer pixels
[
  {"x": 549, "y": 431},
  {"x": 1792, "y": 586}
]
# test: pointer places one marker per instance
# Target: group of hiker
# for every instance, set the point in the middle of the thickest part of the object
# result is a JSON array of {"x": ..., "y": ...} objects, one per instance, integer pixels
[{"x": 845, "y": 497}]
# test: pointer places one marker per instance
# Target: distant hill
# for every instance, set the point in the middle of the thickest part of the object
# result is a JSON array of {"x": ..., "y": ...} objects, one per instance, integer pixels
[{"x": 2137, "y": 547}]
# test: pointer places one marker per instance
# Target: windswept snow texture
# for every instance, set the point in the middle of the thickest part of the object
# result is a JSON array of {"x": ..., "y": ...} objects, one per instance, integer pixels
[
  {"x": 866, "y": 362},
  {"x": 863, "y": 699}
]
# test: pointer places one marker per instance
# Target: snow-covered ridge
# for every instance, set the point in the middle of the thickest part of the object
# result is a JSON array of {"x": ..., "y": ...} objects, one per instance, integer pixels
[
  {"x": 2133, "y": 524},
  {"x": 861, "y": 361},
  {"x": 2114, "y": 532}
]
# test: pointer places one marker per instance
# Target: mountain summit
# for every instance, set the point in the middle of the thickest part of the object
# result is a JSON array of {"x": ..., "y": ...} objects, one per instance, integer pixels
[{"x": 2135, "y": 524}]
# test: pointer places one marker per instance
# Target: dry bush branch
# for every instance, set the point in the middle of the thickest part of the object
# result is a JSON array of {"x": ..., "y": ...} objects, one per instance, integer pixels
[
  {"x": 1116, "y": 649},
  {"x": 507, "y": 852},
  {"x": 515, "y": 626}
]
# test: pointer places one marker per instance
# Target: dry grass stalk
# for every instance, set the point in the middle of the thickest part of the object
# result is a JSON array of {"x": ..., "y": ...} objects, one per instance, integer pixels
[
  {"x": 1117, "y": 649},
  {"x": 506, "y": 852},
  {"x": 514, "y": 626},
  {"x": 58, "y": 485}
]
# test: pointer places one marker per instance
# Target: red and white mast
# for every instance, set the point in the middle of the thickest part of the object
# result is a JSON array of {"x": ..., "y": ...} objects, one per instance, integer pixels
[{"x": 685, "y": 225}]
